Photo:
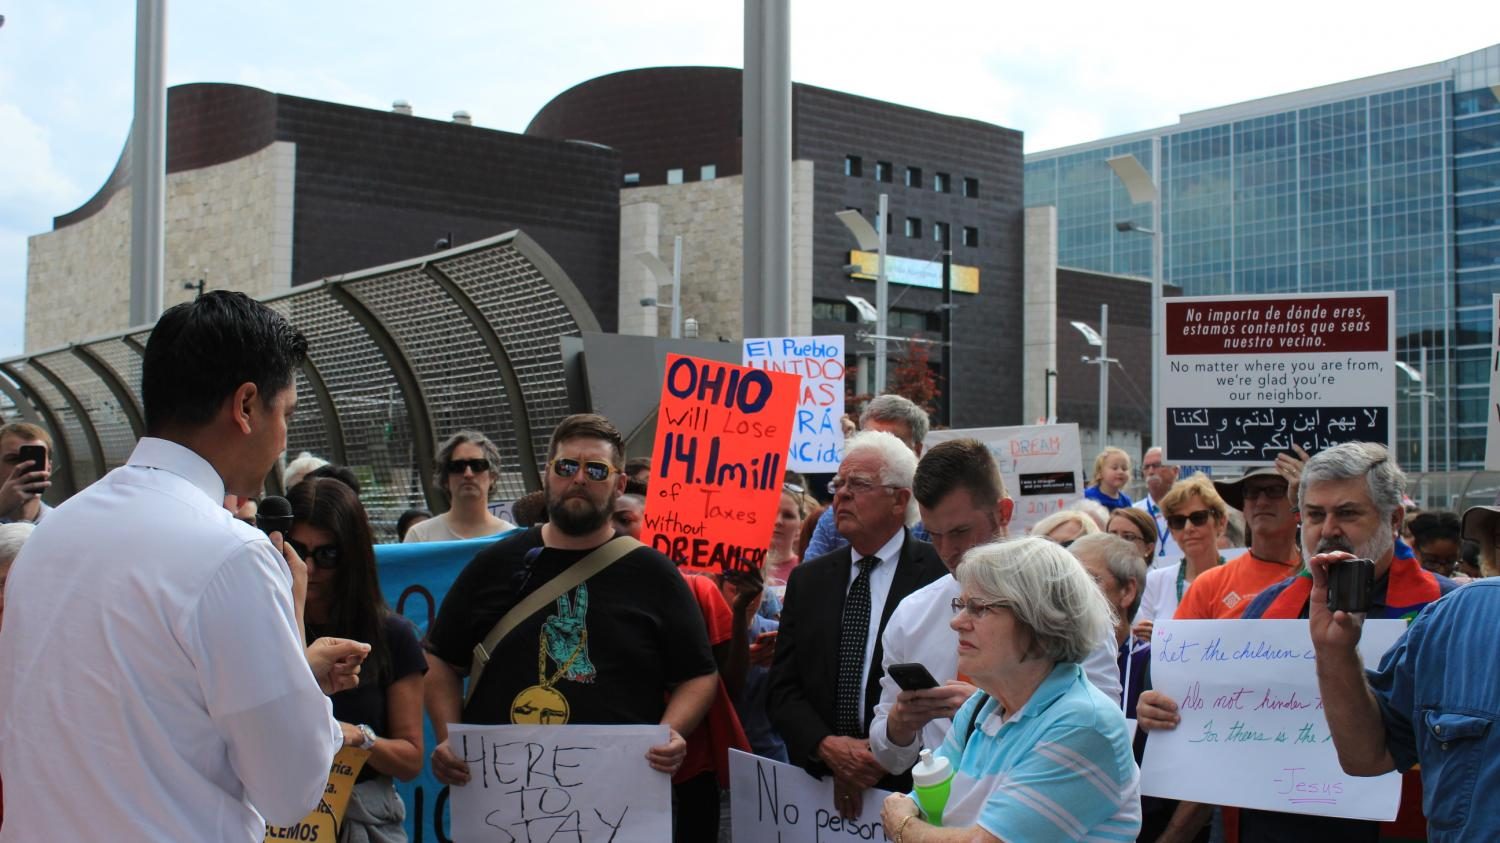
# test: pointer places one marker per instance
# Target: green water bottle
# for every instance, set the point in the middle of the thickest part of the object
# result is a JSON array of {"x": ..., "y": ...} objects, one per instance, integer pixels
[{"x": 933, "y": 778}]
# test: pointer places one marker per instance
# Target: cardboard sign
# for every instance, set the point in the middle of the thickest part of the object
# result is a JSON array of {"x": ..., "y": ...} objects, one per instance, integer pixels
[
  {"x": 720, "y": 458},
  {"x": 325, "y": 822},
  {"x": 1253, "y": 733},
  {"x": 1041, "y": 465},
  {"x": 771, "y": 802},
  {"x": 1492, "y": 439},
  {"x": 817, "y": 439},
  {"x": 1246, "y": 377},
  {"x": 580, "y": 783}
]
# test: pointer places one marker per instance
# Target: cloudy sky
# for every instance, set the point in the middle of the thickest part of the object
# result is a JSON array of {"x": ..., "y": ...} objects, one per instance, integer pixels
[{"x": 1062, "y": 72}]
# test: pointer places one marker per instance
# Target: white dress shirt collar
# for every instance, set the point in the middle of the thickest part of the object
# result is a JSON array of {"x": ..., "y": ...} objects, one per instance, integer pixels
[
  {"x": 889, "y": 553},
  {"x": 166, "y": 455}
]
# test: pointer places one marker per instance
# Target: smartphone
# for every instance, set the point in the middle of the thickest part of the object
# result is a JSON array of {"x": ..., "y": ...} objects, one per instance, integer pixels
[
  {"x": 912, "y": 676},
  {"x": 34, "y": 454},
  {"x": 1351, "y": 584}
]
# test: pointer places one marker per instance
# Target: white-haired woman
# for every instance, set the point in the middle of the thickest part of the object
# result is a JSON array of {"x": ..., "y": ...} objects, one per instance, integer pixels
[
  {"x": 1038, "y": 753},
  {"x": 1065, "y": 526}
]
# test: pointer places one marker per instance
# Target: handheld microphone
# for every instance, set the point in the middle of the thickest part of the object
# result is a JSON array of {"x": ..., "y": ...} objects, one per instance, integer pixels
[{"x": 274, "y": 515}]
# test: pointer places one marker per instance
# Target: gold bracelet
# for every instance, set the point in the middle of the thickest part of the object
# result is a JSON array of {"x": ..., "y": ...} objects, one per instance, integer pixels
[{"x": 901, "y": 829}]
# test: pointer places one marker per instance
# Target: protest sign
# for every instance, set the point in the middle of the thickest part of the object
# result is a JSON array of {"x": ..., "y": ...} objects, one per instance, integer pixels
[
  {"x": 582, "y": 783},
  {"x": 1492, "y": 440},
  {"x": 1246, "y": 377},
  {"x": 817, "y": 439},
  {"x": 1253, "y": 732},
  {"x": 720, "y": 458},
  {"x": 772, "y": 802},
  {"x": 325, "y": 822},
  {"x": 1040, "y": 463}
]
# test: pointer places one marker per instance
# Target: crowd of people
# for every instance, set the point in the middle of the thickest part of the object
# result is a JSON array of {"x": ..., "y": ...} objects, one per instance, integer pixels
[{"x": 185, "y": 676}]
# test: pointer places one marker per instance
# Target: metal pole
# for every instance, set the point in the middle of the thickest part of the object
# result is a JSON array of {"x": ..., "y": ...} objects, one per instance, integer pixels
[
  {"x": 1426, "y": 397},
  {"x": 948, "y": 378},
  {"x": 767, "y": 117},
  {"x": 677, "y": 287},
  {"x": 148, "y": 163},
  {"x": 1103, "y": 376},
  {"x": 1158, "y": 435},
  {"x": 882, "y": 297}
]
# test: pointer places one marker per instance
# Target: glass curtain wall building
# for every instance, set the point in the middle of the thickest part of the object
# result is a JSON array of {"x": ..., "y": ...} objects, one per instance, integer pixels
[{"x": 1391, "y": 182}]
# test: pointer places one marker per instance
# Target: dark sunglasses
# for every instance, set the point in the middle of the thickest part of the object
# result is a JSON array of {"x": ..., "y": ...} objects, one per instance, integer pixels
[
  {"x": 1198, "y": 517},
  {"x": 476, "y": 466},
  {"x": 325, "y": 557},
  {"x": 595, "y": 470}
]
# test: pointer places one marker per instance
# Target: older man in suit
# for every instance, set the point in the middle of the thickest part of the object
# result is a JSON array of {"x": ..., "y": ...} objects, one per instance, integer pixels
[{"x": 826, "y": 677}]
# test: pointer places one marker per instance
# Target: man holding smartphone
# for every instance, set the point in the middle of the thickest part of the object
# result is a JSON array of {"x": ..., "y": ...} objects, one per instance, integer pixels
[{"x": 25, "y": 472}]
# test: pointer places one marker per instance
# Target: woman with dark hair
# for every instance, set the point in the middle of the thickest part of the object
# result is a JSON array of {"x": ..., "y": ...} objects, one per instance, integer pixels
[
  {"x": 384, "y": 714},
  {"x": 1437, "y": 538}
]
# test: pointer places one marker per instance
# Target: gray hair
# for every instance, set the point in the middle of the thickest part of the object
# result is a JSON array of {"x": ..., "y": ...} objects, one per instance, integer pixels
[
  {"x": 1093, "y": 509},
  {"x": 445, "y": 453},
  {"x": 12, "y": 536},
  {"x": 1121, "y": 558},
  {"x": 898, "y": 465},
  {"x": 892, "y": 408},
  {"x": 299, "y": 468},
  {"x": 1047, "y": 590},
  {"x": 1383, "y": 478},
  {"x": 1084, "y": 521}
]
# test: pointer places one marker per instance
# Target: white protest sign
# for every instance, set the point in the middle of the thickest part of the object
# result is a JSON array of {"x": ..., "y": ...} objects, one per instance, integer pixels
[
  {"x": 1253, "y": 732},
  {"x": 1246, "y": 377},
  {"x": 1041, "y": 465},
  {"x": 582, "y": 783},
  {"x": 817, "y": 439},
  {"x": 772, "y": 802},
  {"x": 1492, "y": 440}
]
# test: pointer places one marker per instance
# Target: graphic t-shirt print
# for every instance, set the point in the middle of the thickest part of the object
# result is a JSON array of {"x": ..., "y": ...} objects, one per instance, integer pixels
[{"x": 563, "y": 644}]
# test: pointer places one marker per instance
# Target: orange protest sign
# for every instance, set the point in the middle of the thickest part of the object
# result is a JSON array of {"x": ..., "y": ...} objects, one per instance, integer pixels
[
  {"x": 324, "y": 823},
  {"x": 721, "y": 442}
]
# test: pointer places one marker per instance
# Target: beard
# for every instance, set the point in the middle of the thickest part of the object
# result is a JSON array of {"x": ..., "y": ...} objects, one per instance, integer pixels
[
  {"x": 1381, "y": 542},
  {"x": 579, "y": 520}
]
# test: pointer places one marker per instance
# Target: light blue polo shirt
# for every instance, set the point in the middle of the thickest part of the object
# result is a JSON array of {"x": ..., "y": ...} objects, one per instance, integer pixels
[{"x": 1060, "y": 769}]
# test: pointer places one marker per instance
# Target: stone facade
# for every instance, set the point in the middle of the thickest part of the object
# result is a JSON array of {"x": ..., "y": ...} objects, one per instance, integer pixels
[
  {"x": 229, "y": 224},
  {"x": 709, "y": 215}
]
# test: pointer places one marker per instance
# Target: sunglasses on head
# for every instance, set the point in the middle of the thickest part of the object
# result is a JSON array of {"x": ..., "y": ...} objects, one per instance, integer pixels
[
  {"x": 595, "y": 470},
  {"x": 325, "y": 557},
  {"x": 476, "y": 466},
  {"x": 1198, "y": 517}
]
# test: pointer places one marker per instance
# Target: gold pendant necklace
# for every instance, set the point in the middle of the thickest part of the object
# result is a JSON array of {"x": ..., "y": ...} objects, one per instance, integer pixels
[{"x": 541, "y": 704}]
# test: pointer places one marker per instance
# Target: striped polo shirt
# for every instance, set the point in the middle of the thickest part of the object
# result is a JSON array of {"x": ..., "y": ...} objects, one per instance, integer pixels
[{"x": 1060, "y": 769}]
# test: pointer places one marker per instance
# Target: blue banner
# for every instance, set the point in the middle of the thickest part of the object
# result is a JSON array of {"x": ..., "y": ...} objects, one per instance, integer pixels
[{"x": 415, "y": 578}]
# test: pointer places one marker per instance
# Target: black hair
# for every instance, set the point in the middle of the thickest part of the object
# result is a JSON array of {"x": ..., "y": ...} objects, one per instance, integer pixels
[
  {"x": 409, "y": 517},
  {"x": 1435, "y": 526},
  {"x": 341, "y": 473},
  {"x": 357, "y": 609},
  {"x": 201, "y": 351}
]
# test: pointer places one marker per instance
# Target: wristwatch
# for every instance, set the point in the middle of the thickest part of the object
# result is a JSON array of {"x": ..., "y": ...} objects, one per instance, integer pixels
[{"x": 369, "y": 736}]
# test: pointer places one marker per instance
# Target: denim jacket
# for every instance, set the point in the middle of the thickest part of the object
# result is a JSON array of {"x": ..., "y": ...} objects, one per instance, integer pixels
[{"x": 1439, "y": 695}]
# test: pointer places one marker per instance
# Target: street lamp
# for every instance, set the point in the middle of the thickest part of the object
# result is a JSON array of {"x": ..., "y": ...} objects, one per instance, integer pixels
[
  {"x": 664, "y": 278},
  {"x": 873, "y": 239},
  {"x": 1144, "y": 187},
  {"x": 1425, "y": 395},
  {"x": 1100, "y": 340}
]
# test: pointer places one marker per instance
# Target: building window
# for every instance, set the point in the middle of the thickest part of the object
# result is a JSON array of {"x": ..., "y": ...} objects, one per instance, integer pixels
[
  {"x": 674, "y": 176},
  {"x": 971, "y": 188},
  {"x": 971, "y": 236},
  {"x": 941, "y": 183},
  {"x": 832, "y": 311},
  {"x": 939, "y": 232},
  {"x": 883, "y": 171},
  {"x": 913, "y": 176},
  {"x": 913, "y": 227},
  {"x": 632, "y": 178},
  {"x": 708, "y": 172},
  {"x": 854, "y": 166}
]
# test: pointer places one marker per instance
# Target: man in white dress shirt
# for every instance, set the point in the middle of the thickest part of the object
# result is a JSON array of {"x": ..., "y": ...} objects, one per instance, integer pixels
[
  {"x": 962, "y": 499},
  {"x": 1159, "y": 479},
  {"x": 157, "y": 685}
]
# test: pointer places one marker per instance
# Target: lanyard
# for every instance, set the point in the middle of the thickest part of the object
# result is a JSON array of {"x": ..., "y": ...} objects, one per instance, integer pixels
[
  {"x": 1161, "y": 532},
  {"x": 1182, "y": 576}
]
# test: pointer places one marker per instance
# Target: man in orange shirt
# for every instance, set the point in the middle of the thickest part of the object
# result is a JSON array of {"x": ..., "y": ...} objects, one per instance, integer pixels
[{"x": 1225, "y": 591}]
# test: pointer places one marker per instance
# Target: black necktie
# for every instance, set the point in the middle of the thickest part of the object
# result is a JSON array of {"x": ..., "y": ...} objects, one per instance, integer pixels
[{"x": 853, "y": 630}]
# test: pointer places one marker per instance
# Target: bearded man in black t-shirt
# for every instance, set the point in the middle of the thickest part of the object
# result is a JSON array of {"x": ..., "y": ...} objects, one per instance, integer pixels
[{"x": 627, "y": 646}]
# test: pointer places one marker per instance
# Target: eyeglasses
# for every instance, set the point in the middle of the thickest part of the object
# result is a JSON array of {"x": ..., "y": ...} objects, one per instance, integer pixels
[
  {"x": 1150, "y": 466},
  {"x": 476, "y": 466},
  {"x": 1130, "y": 537},
  {"x": 976, "y": 608},
  {"x": 1198, "y": 517},
  {"x": 595, "y": 470},
  {"x": 1273, "y": 491},
  {"x": 856, "y": 485},
  {"x": 325, "y": 557}
]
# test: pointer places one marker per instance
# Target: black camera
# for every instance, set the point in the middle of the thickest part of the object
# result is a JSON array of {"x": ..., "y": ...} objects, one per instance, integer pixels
[{"x": 1351, "y": 584}]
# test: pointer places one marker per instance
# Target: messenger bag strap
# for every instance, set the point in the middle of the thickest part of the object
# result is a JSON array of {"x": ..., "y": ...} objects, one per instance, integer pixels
[{"x": 602, "y": 557}]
